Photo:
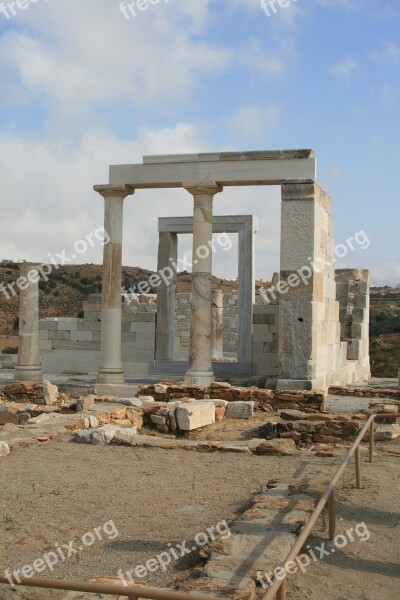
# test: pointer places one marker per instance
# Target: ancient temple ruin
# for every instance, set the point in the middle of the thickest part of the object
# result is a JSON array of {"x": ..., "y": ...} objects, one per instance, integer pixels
[{"x": 311, "y": 333}]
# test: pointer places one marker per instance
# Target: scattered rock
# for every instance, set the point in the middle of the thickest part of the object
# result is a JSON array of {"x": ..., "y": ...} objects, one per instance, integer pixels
[
  {"x": 387, "y": 432},
  {"x": 220, "y": 412},
  {"x": 267, "y": 431},
  {"x": 279, "y": 447},
  {"x": 292, "y": 415},
  {"x": 40, "y": 419},
  {"x": 9, "y": 428},
  {"x": 85, "y": 403},
  {"x": 195, "y": 415},
  {"x": 50, "y": 393},
  {"x": 4, "y": 449},
  {"x": 93, "y": 422},
  {"x": 125, "y": 437},
  {"x": 325, "y": 453},
  {"x": 240, "y": 410}
]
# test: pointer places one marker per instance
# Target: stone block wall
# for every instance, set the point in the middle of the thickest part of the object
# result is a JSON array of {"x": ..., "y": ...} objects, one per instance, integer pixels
[
  {"x": 71, "y": 345},
  {"x": 266, "y": 337},
  {"x": 182, "y": 325},
  {"x": 230, "y": 319},
  {"x": 353, "y": 295}
]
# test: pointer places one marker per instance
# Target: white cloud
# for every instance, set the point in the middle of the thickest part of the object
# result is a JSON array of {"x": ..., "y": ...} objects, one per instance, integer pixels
[
  {"x": 252, "y": 123},
  {"x": 388, "y": 55},
  {"x": 79, "y": 56},
  {"x": 346, "y": 68}
]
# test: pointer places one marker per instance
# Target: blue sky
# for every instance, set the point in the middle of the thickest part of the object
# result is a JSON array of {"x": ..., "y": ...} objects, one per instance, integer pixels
[{"x": 83, "y": 87}]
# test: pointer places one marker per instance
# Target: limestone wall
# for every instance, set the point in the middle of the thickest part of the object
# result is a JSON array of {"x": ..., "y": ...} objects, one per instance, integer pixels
[
  {"x": 73, "y": 345},
  {"x": 353, "y": 294},
  {"x": 182, "y": 325}
]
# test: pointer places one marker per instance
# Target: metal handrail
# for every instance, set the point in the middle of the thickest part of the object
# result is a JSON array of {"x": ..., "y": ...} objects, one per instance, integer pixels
[
  {"x": 132, "y": 593},
  {"x": 278, "y": 587}
]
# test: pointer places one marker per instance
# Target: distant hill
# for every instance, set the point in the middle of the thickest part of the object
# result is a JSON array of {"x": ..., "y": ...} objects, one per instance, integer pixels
[{"x": 70, "y": 285}]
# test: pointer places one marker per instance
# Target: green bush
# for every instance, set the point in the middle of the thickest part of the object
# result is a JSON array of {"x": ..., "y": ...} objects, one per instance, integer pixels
[{"x": 10, "y": 350}]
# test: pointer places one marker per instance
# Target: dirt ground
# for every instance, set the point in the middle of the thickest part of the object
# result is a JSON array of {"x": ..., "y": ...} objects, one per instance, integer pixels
[{"x": 58, "y": 492}]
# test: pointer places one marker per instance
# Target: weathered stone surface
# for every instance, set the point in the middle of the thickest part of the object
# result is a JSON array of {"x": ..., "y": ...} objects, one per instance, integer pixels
[
  {"x": 40, "y": 419},
  {"x": 296, "y": 502},
  {"x": 196, "y": 415},
  {"x": 220, "y": 412},
  {"x": 125, "y": 437},
  {"x": 230, "y": 587},
  {"x": 292, "y": 415},
  {"x": 135, "y": 416},
  {"x": 83, "y": 436},
  {"x": 158, "y": 419},
  {"x": 50, "y": 393},
  {"x": 9, "y": 413},
  {"x": 4, "y": 449},
  {"x": 267, "y": 431},
  {"x": 85, "y": 403},
  {"x": 9, "y": 428},
  {"x": 224, "y": 447},
  {"x": 280, "y": 447},
  {"x": 240, "y": 410},
  {"x": 292, "y": 435},
  {"x": 93, "y": 422},
  {"x": 146, "y": 399},
  {"x": 102, "y": 436},
  {"x": 387, "y": 432},
  {"x": 325, "y": 439},
  {"x": 136, "y": 402},
  {"x": 254, "y": 549}
]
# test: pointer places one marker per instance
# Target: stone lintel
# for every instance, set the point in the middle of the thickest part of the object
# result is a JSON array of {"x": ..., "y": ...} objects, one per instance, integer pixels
[
  {"x": 221, "y": 224},
  {"x": 218, "y": 156}
]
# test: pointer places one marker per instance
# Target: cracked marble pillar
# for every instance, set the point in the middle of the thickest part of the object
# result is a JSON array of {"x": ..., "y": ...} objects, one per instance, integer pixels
[
  {"x": 200, "y": 370},
  {"x": 28, "y": 367},
  {"x": 217, "y": 324},
  {"x": 111, "y": 370}
]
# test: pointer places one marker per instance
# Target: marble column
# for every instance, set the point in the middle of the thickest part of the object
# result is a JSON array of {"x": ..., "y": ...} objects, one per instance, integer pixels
[
  {"x": 200, "y": 370},
  {"x": 217, "y": 324},
  {"x": 28, "y": 367},
  {"x": 111, "y": 370},
  {"x": 166, "y": 293}
]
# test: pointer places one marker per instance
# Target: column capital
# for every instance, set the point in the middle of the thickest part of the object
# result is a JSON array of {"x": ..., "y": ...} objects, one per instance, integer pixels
[
  {"x": 119, "y": 191},
  {"x": 207, "y": 188}
]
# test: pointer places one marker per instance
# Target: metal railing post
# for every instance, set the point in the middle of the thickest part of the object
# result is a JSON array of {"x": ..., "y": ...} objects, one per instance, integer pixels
[
  {"x": 332, "y": 515},
  {"x": 371, "y": 441},
  {"x": 281, "y": 594},
  {"x": 358, "y": 467}
]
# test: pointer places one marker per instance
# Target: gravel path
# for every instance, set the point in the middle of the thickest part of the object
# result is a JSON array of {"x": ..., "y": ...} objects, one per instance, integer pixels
[{"x": 58, "y": 492}]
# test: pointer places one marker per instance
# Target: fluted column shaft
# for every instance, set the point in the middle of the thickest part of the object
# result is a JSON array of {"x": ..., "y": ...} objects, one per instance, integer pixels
[
  {"x": 111, "y": 370},
  {"x": 200, "y": 370},
  {"x": 28, "y": 367}
]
